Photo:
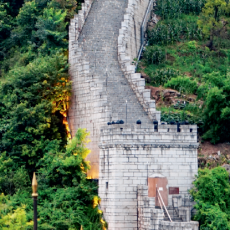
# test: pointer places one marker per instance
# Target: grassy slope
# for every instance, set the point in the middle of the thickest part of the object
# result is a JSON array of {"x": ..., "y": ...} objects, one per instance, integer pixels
[{"x": 193, "y": 59}]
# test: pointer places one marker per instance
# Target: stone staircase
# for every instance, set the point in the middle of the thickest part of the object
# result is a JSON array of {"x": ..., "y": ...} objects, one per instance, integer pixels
[
  {"x": 100, "y": 88},
  {"x": 98, "y": 42},
  {"x": 173, "y": 214}
]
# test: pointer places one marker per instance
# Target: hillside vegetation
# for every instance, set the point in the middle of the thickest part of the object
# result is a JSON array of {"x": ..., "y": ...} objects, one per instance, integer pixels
[
  {"x": 34, "y": 95},
  {"x": 189, "y": 51}
]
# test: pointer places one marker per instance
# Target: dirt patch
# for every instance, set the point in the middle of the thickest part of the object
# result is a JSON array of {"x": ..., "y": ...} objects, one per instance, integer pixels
[
  {"x": 170, "y": 58},
  {"x": 211, "y": 156},
  {"x": 163, "y": 97},
  {"x": 188, "y": 74},
  {"x": 208, "y": 148},
  {"x": 153, "y": 92}
]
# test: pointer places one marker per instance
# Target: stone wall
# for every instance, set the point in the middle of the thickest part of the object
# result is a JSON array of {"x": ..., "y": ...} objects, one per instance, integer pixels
[
  {"x": 150, "y": 218},
  {"x": 87, "y": 91},
  {"x": 100, "y": 90},
  {"x": 104, "y": 86},
  {"x": 128, "y": 48},
  {"x": 131, "y": 153},
  {"x": 145, "y": 208},
  {"x": 165, "y": 225},
  {"x": 76, "y": 26},
  {"x": 133, "y": 35}
]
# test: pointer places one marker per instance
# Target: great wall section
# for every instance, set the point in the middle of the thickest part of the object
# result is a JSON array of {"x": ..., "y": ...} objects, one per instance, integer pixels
[{"x": 139, "y": 166}]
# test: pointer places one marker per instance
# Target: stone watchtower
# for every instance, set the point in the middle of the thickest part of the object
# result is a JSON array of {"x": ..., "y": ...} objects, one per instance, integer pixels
[{"x": 131, "y": 160}]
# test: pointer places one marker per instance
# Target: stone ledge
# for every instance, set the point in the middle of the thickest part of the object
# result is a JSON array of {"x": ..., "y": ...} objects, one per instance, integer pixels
[
  {"x": 125, "y": 61},
  {"x": 146, "y": 146}
]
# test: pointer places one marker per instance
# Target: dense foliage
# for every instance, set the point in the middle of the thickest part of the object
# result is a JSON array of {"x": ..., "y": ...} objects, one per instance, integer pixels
[
  {"x": 211, "y": 193},
  {"x": 34, "y": 97},
  {"x": 189, "y": 50},
  {"x": 67, "y": 200},
  {"x": 31, "y": 102}
]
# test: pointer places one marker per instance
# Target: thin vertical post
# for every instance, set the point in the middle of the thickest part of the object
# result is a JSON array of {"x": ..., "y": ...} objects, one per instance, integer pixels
[
  {"x": 126, "y": 111},
  {"x": 35, "y": 213},
  {"x": 147, "y": 173},
  {"x": 35, "y": 195}
]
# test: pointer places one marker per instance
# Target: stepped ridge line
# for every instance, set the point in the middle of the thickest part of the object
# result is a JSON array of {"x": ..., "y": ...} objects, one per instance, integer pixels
[
  {"x": 101, "y": 86},
  {"x": 126, "y": 55}
]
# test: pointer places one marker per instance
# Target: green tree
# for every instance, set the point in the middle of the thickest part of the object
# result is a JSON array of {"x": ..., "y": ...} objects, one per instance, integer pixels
[
  {"x": 6, "y": 23},
  {"x": 70, "y": 6},
  {"x": 67, "y": 199},
  {"x": 12, "y": 219},
  {"x": 217, "y": 113},
  {"x": 51, "y": 30},
  {"x": 13, "y": 6},
  {"x": 212, "y": 19},
  {"x": 26, "y": 21},
  {"x": 62, "y": 183},
  {"x": 32, "y": 100},
  {"x": 211, "y": 193},
  {"x": 12, "y": 177}
]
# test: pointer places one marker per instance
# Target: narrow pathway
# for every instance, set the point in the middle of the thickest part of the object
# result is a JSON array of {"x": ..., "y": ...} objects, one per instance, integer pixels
[{"x": 99, "y": 44}]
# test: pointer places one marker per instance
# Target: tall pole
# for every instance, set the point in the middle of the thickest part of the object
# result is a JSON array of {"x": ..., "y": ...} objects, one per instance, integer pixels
[
  {"x": 147, "y": 173},
  {"x": 126, "y": 111},
  {"x": 35, "y": 213},
  {"x": 35, "y": 195}
]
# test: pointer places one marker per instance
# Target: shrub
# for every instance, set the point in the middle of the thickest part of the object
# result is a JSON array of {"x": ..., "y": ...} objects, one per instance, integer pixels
[
  {"x": 162, "y": 76},
  {"x": 211, "y": 193},
  {"x": 12, "y": 219},
  {"x": 192, "y": 45},
  {"x": 169, "y": 9},
  {"x": 168, "y": 32},
  {"x": 182, "y": 84},
  {"x": 154, "y": 54}
]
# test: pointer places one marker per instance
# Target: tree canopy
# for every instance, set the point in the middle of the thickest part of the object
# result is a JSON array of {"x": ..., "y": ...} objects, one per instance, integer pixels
[{"x": 34, "y": 99}]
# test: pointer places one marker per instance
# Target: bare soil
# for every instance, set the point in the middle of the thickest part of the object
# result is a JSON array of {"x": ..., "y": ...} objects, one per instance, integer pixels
[{"x": 207, "y": 149}]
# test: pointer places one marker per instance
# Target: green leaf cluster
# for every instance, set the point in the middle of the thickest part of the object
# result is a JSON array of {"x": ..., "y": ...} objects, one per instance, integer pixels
[
  {"x": 34, "y": 97},
  {"x": 11, "y": 219},
  {"x": 154, "y": 54},
  {"x": 65, "y": 198},
  {"x": 213, "y": 17},
  {"x": 174, "y": 30},
  {"x": 211, "y": 193},
  {"x": 169, "y": 9},
  {"x": 31, "y": 102},
  {"x": 183, "y": 84}
]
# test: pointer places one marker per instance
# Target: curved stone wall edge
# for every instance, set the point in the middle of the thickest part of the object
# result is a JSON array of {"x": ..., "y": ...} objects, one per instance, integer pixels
[{"x": 128, "y": 50}]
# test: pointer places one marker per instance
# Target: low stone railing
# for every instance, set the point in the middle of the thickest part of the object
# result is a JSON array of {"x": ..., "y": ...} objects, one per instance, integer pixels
[
  {"x": 77, "y": 23},
  {"x": 129, "y": 43}
]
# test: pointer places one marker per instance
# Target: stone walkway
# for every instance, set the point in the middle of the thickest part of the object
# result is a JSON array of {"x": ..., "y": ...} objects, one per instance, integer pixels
[
  {"x": 98, "y": 41},
  {"x": 100, "y": 89}
]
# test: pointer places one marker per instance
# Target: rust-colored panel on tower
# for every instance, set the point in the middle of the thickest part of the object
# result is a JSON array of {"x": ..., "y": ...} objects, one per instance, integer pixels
[{"x": 160, "y": 183}]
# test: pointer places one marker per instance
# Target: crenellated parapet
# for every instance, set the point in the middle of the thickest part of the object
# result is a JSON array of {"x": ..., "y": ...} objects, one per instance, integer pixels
[{"x": 148, "y": 136}]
